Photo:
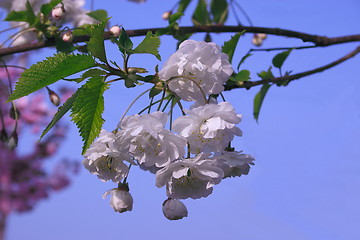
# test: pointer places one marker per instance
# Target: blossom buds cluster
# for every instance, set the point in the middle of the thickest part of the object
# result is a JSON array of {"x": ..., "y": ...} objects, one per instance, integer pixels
[
  {"x": 192, "y": 157},
  {"x": 258, "y": 39}
]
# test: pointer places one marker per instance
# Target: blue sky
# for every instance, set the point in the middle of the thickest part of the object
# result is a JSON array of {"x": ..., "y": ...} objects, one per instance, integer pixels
[{"x": 305, "y": 184}]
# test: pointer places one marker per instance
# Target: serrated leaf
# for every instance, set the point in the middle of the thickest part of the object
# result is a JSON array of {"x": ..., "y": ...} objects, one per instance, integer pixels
[
  {"x": 259, "y": 98},
  {"x": 183, "y": 4},
  {"x": 92, "y": 73},
  {"x": 87, "y": 109},
  {"x": 96, "y": 43},
  {"x": 243, "y": 60},
  {"x": 201, "y": 14},
  {"x": 150, "y": 45},
  {"x": 100, "y": 15},
  {"x": 242, "y": 76},
  {"x": 60, "y": 113},
  {"x": 230, "y": 46},
  {"x": 47, "y": 7},
  {"x": 280, "y": 58},
  {"x": 66, "y": 47},
  {"x": 49, "y": 71},
  {"x": 219, "y": 10}
]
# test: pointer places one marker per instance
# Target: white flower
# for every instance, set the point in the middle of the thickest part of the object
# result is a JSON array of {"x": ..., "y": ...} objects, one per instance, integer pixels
[
  {"x": 121, "y": 200},
  {"x": 105, "y": 160},
  {"x": 233, "y": 163},
  {"x": 148, "y": 141},
  {"x": 204, "y": 63},
  {"x": 209, "y": 128},
  {"x": 191, "y": 177},
  {"x": 173, "y": 209}
]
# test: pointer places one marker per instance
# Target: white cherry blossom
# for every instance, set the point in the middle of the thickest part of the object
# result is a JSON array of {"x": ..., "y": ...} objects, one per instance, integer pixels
[
  {"x": 190, "y": 177},
  {"x": 234, "y": 163},
  {"x": 209, "y": 128},
  {"x": 203, "y": 63},
  {"x": 148, "y": 141},
  {"x": 105, "y": 160}
]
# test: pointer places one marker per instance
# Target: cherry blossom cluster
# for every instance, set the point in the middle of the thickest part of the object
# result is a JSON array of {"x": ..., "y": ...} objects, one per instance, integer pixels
[
  {"x": 195, "y": 154},
  {"x": 69, "y": 11},
  {"x": 24, "y": 181}
]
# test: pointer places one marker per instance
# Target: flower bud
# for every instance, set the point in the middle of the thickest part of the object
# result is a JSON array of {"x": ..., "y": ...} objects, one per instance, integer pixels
[
  {"x": 115, "y": 30},
  {"x": 263, "y": 36},
  {"x": 173, "y": 209},
  {"x": 166, "y": 15},
  {"x": 13, "y": 141},
  {"x": 54, "y": 98},
  {"x": 121, "y": 200},
  {"x": 3, "y": 135},
  {"x": 67, "y": 36},
  {"x": 14, "y": 112},
  {"x": 256, "y": 40},
  {"x": 58, "y": 13}
]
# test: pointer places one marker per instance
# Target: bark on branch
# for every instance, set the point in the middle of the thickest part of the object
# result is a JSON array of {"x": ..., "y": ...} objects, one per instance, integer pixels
[
  {"x": 320, "y": 41},
  {"x": 250, "y": 84}
]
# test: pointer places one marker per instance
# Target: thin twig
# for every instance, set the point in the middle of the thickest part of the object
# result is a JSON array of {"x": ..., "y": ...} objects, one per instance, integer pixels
[
  {"x": 317, "y": 40},
  {"x": 250, "y": 84}
]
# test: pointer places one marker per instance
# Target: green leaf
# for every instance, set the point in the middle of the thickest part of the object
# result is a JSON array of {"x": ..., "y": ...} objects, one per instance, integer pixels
[
  {"x": 230, "y": 46},
  {"x": 87, "y": 109},
  {"x": 259, "y": 98},
  {"x": 100, "y": 15},
  {"x": 219, "y": 10},
  {"x": 242, "y": 76},
  {"x": 201, "y": 14},
  {"x": 183, "y": 4},
  {"x": 49, "y": 71},
  {"x": 280, "y": 58},
  {"x": 60, "y": 113},
  {"x": 96, "y": 43},
  {"x": 22, "y": 16},
  {"x": 47, "y": 7},
  {"x": 65, "y": 47},
  {"x": 243, "y": 60},
  {"x": 150, "y": 45},
  {"x": 124, "y": 43},
  {"x": 174, "y": 17},
  {"x": 266, "y": 74}
]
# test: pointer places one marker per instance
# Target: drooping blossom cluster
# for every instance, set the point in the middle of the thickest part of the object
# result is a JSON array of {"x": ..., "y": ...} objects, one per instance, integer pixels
[
  {"x": 24, "y": 181},
  {"x": 192, "y": 157},
  {"x": 67, "y": 12}
]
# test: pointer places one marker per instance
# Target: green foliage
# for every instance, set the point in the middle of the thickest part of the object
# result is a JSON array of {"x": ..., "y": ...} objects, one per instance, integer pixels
[
  {"x": 47, "y": 7},
  {"x": 266, "y": 74},
  {"x": 230, "y": 46},
  {"x": 150, "y": 45},
  {"x": 100, "y": 15},
  {"x": 242, "y": 76},
  {"x": 96, "y": 43},
  {"x": 65, "y": 47},
  {"x": 174, "y": 17},
  {"x": 201, "y": 15},
  {"x": 158, "y": 88},
  {"x": 280, "y": 58},
  {"x": 124, "y": 42},
  {"x": 87, "y": 109},
  {"x": 219, "y": 10},
  {"x": 22, "y": 16},
  {"x": 49, "y": 71},
  {"x": 259, "y": 98},
  {"x": 60, "y": 113},
  {"x": 183, "y": 4}
]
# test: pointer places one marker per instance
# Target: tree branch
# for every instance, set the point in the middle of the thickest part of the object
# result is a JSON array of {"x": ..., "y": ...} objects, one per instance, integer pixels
[
  {"x": 250, "y": 84},
  {"x": 320, "y": 41}
]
